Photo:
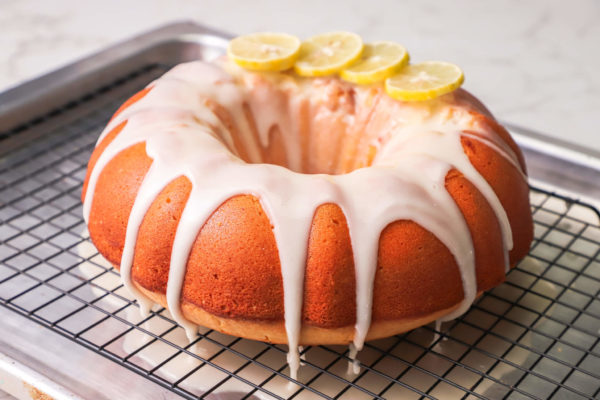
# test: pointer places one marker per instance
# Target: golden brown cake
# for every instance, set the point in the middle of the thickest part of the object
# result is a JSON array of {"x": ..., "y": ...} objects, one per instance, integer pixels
[{"x": 302, "y": 210}]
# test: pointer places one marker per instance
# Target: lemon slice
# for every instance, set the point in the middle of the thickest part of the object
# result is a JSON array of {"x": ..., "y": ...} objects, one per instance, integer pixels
[
  {"x": 424, "y": 81},
  {"x": 264, "y": 51},
  {"x": 378, "y": 61},
  {"x": 328, "y": 53}
]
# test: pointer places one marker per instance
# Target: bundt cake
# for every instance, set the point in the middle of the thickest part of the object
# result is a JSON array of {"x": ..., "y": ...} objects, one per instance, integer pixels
[{"x": 304, "y": 210}]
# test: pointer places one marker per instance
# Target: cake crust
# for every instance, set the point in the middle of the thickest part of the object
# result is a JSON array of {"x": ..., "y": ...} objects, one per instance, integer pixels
[
  {"x": 233, "y": 280},
  {"x": 235, "y": 261},
  {"x": 310, "y": 335}
]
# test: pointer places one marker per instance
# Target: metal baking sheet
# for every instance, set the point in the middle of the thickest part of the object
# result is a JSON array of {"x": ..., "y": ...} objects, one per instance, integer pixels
[{"x": 69, "y": 323}]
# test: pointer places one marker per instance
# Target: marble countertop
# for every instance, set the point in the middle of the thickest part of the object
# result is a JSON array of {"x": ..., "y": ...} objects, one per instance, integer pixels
[{"x": 533, "y": 63}]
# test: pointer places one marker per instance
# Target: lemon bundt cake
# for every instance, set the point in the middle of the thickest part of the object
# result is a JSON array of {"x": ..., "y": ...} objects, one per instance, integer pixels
[{"x": 304, "y": 210}]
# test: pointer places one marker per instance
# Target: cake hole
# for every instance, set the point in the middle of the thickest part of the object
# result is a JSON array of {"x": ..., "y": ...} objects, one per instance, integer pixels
[{"x": 326, "y": 133}]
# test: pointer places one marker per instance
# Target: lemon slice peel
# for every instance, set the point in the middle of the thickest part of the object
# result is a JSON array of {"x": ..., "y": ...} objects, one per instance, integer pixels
[
  {"x": 328, "y": 53},
  {"x": 424, "y": 81},
  {"x": 378, "y": 61},
  {"x": 264, "y": 51}
]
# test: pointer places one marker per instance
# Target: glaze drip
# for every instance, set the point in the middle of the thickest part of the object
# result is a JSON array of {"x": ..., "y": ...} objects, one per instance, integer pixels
[{"x": 416, "y": 146}]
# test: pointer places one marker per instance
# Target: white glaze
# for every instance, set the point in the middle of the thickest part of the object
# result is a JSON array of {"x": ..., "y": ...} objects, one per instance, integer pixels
[
  {"x": 421, "y": 143},
  {"x": 436, "y": 333},
  {"x": 353, "y": 363}
]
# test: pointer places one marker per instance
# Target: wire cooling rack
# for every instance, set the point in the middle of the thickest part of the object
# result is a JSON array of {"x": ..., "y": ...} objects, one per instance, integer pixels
[{"x": 535, "y": 336}]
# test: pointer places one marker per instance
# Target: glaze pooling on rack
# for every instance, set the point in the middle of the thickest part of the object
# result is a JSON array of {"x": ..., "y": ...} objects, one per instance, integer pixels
[{"x": 185, "y": 137}]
